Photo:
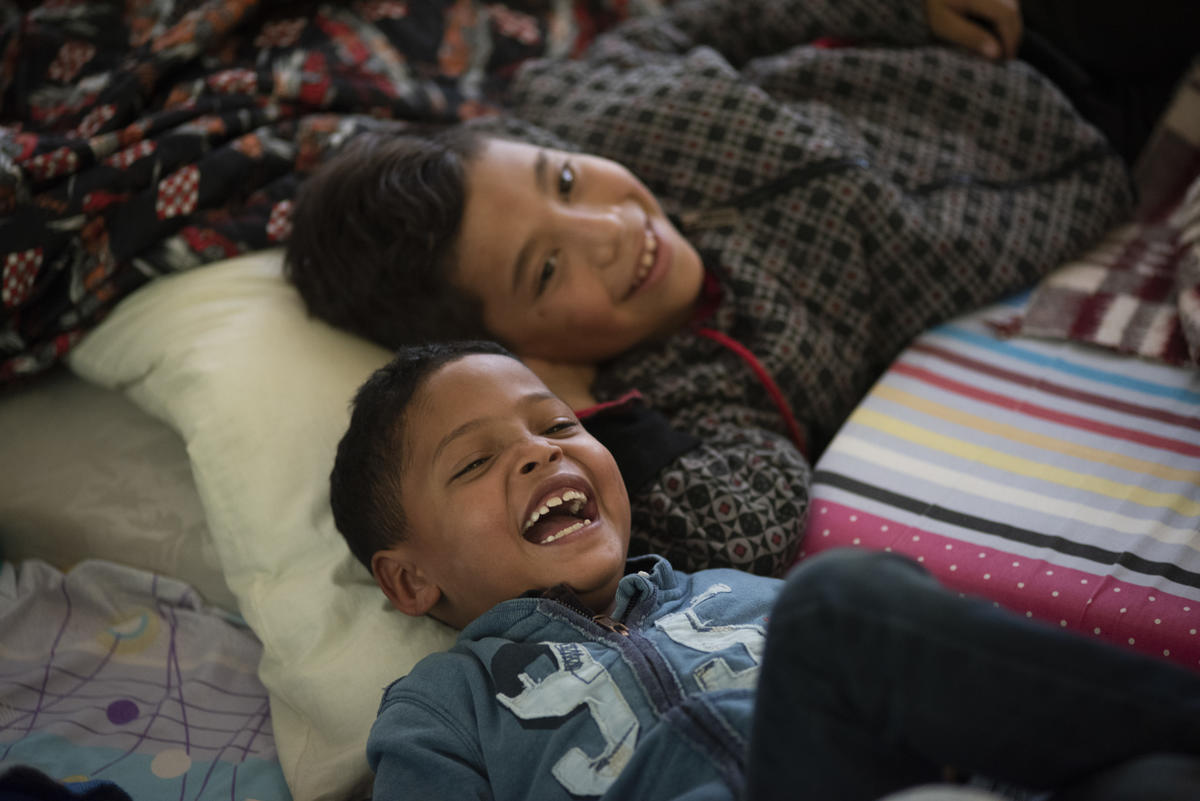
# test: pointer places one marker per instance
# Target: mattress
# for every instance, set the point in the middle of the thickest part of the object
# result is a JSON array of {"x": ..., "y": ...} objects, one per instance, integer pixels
[{"x": 1059, "y": 480}]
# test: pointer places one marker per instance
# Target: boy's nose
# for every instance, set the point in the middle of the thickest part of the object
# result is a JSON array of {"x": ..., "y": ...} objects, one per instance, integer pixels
[
  {"x": 599, "y": 232},
  {"x": 539, "y": 453}
]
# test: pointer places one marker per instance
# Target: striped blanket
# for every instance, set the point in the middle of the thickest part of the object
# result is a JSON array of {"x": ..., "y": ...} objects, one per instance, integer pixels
[{"x": 1059, "y": 480}]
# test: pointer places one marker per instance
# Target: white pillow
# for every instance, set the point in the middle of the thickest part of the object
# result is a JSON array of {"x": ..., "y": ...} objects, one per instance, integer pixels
[{"x": 260, "y": 393}]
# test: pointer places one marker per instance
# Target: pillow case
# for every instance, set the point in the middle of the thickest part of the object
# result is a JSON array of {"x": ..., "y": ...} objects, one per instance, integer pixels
[{"x": 260, "y": 392}]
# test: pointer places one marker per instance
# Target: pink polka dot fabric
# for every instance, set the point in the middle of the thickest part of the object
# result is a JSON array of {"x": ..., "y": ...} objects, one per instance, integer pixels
[
  {"x": 1057, "y": 480},
  {"x": 1149, "y": 620}
]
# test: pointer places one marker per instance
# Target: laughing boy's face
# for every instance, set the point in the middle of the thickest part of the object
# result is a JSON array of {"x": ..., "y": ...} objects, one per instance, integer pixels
[{"x": 504, "y": 491}]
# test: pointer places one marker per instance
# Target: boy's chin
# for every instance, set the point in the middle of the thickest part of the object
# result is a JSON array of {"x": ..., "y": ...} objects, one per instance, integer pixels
[
  {"x": 600, "y": 601},
  {"x": 600, "y": 594}
]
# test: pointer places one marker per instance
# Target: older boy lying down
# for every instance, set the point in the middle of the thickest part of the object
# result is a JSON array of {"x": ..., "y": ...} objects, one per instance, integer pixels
[
  {"x": 743, "y": 226},
  {"x": 474, "y": 495}
]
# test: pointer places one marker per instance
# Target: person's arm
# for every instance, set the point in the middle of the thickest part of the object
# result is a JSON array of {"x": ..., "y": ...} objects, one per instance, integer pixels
[
  {"x": 417, "y": 751},
  {"x": 640, "y": 439},
  {"x": 991, "y": 28},
  {"x": 744, "y": 30},
  {"x": 723, "y": 494}
]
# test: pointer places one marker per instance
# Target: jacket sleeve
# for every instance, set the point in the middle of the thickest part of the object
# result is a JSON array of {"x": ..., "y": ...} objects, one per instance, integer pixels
[
  {"x": 416, "y": 751},
  {"x": 738, "y": 499},
  {"x": 724, "y": 494},
  {"x": 640, "y": 439},
  {"x": 741, "y": 31}
]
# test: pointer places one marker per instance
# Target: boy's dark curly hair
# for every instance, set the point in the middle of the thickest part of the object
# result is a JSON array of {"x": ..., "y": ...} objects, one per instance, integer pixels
[
  {"x": 373, "y": 238},
  {"x": 364, "y": 485}
]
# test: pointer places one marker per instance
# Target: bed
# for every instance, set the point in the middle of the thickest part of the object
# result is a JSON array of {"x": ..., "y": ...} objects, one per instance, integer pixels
[
  {"x": 1061, "y": 481},
  {"x": 1055, "y": 478},
  {"x": 166, "y": 499}
]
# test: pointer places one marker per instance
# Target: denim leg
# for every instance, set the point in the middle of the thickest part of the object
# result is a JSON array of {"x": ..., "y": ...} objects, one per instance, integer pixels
[{"x": 875, "y": 677}]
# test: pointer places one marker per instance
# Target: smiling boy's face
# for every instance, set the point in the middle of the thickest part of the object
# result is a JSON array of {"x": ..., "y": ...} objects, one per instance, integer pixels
[
  {"x": 503, "y": 492},
  {"x": 571, "y": 255}
]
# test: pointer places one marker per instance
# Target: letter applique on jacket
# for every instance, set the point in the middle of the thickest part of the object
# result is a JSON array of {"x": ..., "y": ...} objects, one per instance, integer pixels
[
  {"x": 550, "y": 680},
  {"x": 686, "y": 628}
]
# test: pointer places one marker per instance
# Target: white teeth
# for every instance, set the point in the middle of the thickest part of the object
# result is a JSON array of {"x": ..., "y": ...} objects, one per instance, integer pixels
[
  {"x": 574, "y": 499},
  {"x": 649, "y": 253},
  {"x": 568, "y": 530}
]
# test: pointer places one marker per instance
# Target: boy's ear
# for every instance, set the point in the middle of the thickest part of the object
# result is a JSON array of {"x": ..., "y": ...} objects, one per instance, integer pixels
[{"x": 404, "y": 583}]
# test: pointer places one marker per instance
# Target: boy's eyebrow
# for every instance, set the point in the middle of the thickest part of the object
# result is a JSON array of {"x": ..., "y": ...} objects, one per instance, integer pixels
[
  {"x": 540, "y": 165},
  {"x": 465, "y": 428},
  {"x": 471, "y": 425}
]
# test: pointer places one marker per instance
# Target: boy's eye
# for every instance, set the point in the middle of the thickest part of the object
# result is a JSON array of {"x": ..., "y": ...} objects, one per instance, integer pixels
[
  {"x": 566, "y": 180},
  {"x": 560, "y": 427},
  {"x": 548, "y": 269},
  {"x": 472, "y": 466}
]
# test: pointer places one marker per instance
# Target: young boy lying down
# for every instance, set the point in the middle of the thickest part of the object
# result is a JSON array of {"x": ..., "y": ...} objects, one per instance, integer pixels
[
  {"x": 474, "y": 495},
  {"x": 740, "y": 225}
]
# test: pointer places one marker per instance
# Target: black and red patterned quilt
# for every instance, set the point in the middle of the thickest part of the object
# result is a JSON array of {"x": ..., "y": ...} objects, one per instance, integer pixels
[{"x": 145, "y": 137}]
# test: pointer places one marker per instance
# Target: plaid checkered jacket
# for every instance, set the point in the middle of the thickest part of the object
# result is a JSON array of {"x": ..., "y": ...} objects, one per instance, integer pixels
[{"x": 844, "y": 197}]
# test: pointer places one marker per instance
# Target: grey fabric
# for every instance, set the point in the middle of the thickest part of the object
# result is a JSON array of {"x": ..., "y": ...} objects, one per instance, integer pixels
[{"x": 86, "y": 474}]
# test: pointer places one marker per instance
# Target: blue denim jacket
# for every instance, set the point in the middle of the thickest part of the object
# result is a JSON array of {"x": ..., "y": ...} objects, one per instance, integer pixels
[{"x": 541, "y": 700}]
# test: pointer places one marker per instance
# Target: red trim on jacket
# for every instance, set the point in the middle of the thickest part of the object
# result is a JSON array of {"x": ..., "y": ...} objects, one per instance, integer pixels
[
  {"x": 710, "y": 299},
  {"x": 628, "y": 398},
  {"x": 789, "y": 419}
]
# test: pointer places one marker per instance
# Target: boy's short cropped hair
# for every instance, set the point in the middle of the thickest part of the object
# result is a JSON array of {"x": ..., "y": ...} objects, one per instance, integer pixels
[
  {"x": 364, "y": 485},
  {"x": 373, "y": 238}
]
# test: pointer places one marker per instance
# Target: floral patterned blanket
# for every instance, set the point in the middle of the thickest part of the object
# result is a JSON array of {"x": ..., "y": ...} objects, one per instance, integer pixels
[{"x": 150, "y": 136}]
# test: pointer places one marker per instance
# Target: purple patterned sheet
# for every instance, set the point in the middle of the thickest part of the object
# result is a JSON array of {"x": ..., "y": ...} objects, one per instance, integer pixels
[{"x": 107, "y": 672}]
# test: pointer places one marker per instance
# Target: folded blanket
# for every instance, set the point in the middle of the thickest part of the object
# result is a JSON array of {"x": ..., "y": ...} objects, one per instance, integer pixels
[
  {"x": 151, "y": 136},
  {"x": 1138, "y": 290}
]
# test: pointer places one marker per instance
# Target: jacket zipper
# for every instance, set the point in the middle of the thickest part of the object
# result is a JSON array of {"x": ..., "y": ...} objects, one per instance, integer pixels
[
  {"x": 563, "y": 595},
  {"x": 665, "y": 695},
  {"x": 638, "y": 649},
  {"x": 615, "y": 626}
]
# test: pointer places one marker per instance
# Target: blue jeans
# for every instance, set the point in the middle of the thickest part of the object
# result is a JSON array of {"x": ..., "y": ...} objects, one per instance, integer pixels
[{"x": 875, "y": 678}]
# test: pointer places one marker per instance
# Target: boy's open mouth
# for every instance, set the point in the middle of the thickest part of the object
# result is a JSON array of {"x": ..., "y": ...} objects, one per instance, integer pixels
[
  {"x": 645, "y": 262},
  {"x": 559, "y": 513}
]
